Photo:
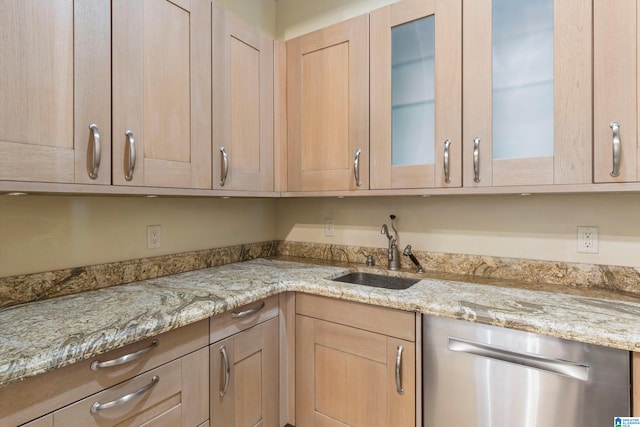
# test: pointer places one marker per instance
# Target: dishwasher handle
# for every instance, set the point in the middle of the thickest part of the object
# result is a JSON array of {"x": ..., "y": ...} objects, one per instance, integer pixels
[{"x": 557, "y": 366}]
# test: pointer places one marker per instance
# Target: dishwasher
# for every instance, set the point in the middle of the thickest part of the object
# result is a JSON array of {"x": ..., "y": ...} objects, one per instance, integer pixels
[{"x": 477, "y": 375}]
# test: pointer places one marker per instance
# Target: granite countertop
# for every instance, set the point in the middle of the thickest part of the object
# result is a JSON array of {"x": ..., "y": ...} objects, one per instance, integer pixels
[{"x": 40, "y": 336}]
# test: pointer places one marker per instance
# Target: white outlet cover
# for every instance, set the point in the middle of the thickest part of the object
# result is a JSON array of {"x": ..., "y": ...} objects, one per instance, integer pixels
[
  {"x": 329, "y": 228},
  {"x": 588, "y": 239},
  {"x": 154, "y": 236}
]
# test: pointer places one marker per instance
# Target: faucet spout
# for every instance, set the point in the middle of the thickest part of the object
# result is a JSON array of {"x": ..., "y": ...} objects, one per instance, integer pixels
[{"x": 393, "y": 253}]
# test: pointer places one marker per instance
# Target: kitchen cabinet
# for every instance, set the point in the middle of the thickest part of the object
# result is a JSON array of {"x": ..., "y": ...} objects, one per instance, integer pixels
[
  {"x": 243, "y": 83},
  {"x": 55, "y": 81},
  {"x": 46, "y": 421},
  {"x": 179, "y": 358},
  {"x": 527, "y": 104},
  {"x": 416, "y": 89},
  {"x": 615, "y": 91},
  {"x": 355, "y": 364},
  {"x": 328, "y": 108},
  {"x": 162, "y": 93},
  {"x": 244, "y": 366}
]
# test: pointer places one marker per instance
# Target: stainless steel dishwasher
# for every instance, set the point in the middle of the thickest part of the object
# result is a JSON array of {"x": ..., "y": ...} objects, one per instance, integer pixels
[{"x": 484, "y": 376}]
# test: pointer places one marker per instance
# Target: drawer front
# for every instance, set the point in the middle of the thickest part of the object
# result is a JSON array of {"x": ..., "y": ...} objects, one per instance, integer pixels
[
  {"x": 25, "y": 400},
  {"x": 381, "y": 320},
  {"x": 233, "y": 321}
]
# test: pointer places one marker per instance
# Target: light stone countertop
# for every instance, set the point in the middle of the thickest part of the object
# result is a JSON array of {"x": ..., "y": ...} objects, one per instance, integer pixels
[{"x": 40, "y": 336}]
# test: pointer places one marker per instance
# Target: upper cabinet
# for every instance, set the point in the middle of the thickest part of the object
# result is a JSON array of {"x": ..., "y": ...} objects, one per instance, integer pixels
[
  {"x": 162, "y": 93},
  {"x": 616, "y": 152},
  {"x": 55, "y": 75},
  {"x": 243, "y": 79},
  {"x": 416, "y": 91},
  {"x": 328, "y": 108},
  {"x": 527, "y": 84}
]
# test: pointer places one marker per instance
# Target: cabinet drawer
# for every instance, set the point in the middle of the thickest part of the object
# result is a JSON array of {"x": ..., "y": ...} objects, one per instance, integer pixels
[
  {"x": 382, "y": 320},
  {"x": 25, "y": 400},
  {"x": 233, "y": 321}
]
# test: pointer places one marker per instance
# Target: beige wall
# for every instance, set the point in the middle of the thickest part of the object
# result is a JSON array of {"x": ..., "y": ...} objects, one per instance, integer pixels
[
  {"x": 42, "y": 233},
  {"x": 258, "y": 13},
  {"x": 533, "y": 227}
]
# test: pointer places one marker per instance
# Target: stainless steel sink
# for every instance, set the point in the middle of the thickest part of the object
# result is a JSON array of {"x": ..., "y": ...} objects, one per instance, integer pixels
[{"x": 377, "y": 280}]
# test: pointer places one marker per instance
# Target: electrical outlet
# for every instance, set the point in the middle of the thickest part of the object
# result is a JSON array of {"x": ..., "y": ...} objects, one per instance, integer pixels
[
  {"x": 329, "y": 230},
  {"x": 154, "y": 236},
  {"x": 588, "y": 240}
]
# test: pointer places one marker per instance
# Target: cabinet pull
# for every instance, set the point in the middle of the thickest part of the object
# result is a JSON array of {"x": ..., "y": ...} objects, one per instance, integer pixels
[
  {"x": 237, "y": 314},
  {"x": 356, "y": 167},
  {"x": 476, "y": 160},
  {"x": 93, "y": 156},
  {"x": 399, "y": 388},
  {"x": 447, "y": 178},
  {"x": 97, "y": 407},
  {"x": 227, "y": 371},
  {"x": 130, "y": 157},
  {"x": 615, "y": 127},
  {"x": 123, "y": 359},
  {"x": 224, "y": 166}
]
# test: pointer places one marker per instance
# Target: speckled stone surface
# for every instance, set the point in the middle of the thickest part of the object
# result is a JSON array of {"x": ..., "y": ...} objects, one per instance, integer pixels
[{"x": 52, "y": 333}]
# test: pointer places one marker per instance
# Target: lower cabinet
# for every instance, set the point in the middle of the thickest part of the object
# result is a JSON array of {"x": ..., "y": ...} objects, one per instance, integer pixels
[
  {"x": 355, "y": 364},
  {"x": 244, "y": 367}
]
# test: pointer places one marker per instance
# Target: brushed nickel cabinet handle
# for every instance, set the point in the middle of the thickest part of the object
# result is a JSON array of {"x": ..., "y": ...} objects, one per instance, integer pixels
[
  {"x": 130, "y": 157},
  {"x": 615, "y": 127},
  {"x": 399, "y": 388},
  {"x": 224, "y": 166},
  {"x": 356, "y": 167},
  {"x": 123, "y": 359},
  {"x": 245, "y": 313},
  {"x": 97, "y": 407},
  {"x": 476, "y": 160},
  {"x": 447, "y": 178},
  {"x": 93, "y": 156},
  {"x": 227, "y": 371}
]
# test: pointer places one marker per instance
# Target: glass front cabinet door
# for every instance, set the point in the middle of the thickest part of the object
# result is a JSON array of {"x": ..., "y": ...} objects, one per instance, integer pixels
[
  {"x": 527, "y": 103},
  {"x": 415, "y": 95}
]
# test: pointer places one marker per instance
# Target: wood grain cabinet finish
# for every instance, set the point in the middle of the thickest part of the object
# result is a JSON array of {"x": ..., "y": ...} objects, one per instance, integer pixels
[
  {"x": 411, "y": 70},
  {"x": 162, "y": 93},
  {"x": 509, "y": 138},
  {"x": 243, "y": 84},
  {"x": 616, "y": 95},
  {"x": 55, "y": 81},
  {"x": 328, "y": 108},
  {"x": 347, "y": 356}
]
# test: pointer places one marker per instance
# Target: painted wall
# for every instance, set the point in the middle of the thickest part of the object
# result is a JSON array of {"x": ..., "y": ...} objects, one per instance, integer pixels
[
  {"x": 534, "y": 227},
  {"x": 43, "y": 233},
  {"x": 258, "y": 13}
]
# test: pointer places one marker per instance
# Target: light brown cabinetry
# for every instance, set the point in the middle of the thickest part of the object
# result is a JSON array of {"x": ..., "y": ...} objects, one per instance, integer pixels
[
  {"x": 416, "y": 91},
  {"x": 179, "y": 358},
  {"x": 527, "y": 104},
  {"x": 55, "y": 82},
  {"x": 615, "y": 91},
  {"x": 244, "y": 366},
  {"x": 243, "y": 105},
  {"x": 328, "y": 108},
  {"x": 162, "y": 93},
  {"x": 355, "y": 364}
]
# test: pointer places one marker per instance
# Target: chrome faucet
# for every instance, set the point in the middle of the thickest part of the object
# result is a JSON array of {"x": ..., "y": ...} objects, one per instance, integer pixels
[
  {"x": 394, "y": 254},
  {"x": 412, "y": 257}
]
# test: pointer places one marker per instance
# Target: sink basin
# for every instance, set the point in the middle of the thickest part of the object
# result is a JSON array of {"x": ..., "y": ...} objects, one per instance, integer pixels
[{"x": 377, "y": 280}]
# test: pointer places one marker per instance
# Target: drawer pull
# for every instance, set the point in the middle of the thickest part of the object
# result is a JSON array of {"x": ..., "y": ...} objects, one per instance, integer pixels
[
  {"x": 447, "y": 177},
  {"x": 130, "y": 157},
  {"x": 356, "y": 167},
  {"x": 123, "y": 359},
  {"x": 224, "y": 166},
  {"x": 97, "y": 407},
  {"x": 235, "y": 315},
  {"x": 615, "y": 127},
  {"x": 227, "y": 371},
  {"x": 399, "y": 388},
  {"x": 476, "y": 160},
  {"x": 93, "y": 155}
]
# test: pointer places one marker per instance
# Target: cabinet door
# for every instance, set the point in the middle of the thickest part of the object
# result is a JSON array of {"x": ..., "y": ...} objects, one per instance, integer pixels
[
  {"x": 615, "y": 91},
  {"x": 55, "y": 83},
  {"x": 328, "y": 108},
  {"x": 527, "y": 102},
  {"x": 244, "y": 378},
  {"x": 416, "y": 88},
  {"x": 347, "y": 376},
  {"x": 243, "y": 107},
  {"x": 162, "y": 93}
]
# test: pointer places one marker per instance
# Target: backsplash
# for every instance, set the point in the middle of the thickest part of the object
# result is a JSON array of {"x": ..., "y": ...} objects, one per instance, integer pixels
[{"x": 33, "y": 287}]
